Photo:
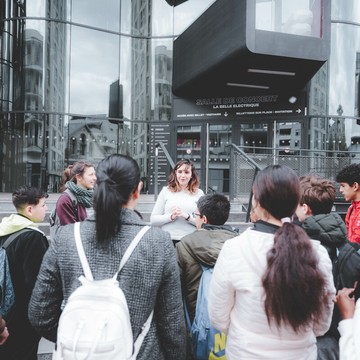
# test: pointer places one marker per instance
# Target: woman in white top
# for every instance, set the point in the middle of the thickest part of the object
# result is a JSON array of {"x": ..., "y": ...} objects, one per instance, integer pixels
[
  {"x": 272, "y": 287},
  {"x": 177, "y": 201}
]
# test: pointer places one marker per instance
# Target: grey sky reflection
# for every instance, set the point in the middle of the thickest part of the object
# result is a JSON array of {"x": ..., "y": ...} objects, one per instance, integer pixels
[{"x": 344, "y": 39}]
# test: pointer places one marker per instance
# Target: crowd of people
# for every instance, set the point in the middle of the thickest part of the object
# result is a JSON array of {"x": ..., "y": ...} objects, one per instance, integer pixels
[{"x": 276, "y": 291}]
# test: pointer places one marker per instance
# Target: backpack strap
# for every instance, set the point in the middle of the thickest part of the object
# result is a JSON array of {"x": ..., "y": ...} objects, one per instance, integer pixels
[
  {"x": 187, "y": 315},
  {"x": 13, "y": 236},
  {"x": 74, "y": 202},
  {"x": 81, "y": 252},
  {"x": 131, "y": 248},
  {"x": 82, "y": 256},
  {"x": 145, "y": 329}
]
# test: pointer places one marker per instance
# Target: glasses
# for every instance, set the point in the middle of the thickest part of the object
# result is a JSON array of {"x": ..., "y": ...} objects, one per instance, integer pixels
[{"x": 194, "y": 214}]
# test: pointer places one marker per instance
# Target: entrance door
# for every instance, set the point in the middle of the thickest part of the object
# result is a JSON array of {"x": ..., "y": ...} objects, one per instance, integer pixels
[
  {"x": 189, "y": 145},
  {"x": 207, "y": 145},
  {"x": 219, "y": 138}
]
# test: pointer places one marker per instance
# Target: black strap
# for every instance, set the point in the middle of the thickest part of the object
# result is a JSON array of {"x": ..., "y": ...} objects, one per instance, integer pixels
[{"x": 13, "y": 236}]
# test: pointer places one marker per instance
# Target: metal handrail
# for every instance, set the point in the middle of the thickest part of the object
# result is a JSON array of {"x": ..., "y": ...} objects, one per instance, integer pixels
[
  {"x": 164, "y": 149},
  {"x": 246, "y": 156},
  {"x": 257, "y": 169},
  {"x": 156, "y": 164}
]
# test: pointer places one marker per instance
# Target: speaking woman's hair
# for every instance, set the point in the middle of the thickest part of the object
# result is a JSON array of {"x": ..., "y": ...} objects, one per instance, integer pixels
[
  {"x": 293, "y": 284},
  {"x": 117, "y": 178},
  {"x": 194, "y": 181}
]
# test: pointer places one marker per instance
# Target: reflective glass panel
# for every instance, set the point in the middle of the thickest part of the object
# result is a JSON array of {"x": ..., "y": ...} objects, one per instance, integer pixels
[
  {"x": 298, "y": 17},
  {"x": 344, "y": 77},
  {"x": 162, "y": 18},
  {"x": 101, "y": 14},
  {"x": 350, "y": 12},
  {"x": 94, "y": 66}
]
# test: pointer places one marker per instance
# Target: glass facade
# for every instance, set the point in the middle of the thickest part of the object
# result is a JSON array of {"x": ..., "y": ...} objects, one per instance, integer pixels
[
  {"x": 84, "y": 79},
  {"x": 302, "y": 17}
]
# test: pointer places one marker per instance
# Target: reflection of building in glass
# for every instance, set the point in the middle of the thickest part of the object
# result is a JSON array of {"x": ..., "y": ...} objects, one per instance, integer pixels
[
  {"x": 34, "y": 121},
  {"x": 336, "y": 132},
  {"x": 357, "y": 85},
  {"x": 355, "y": 138},
  {"x": 54, "y": 93},
  {"x": 318, "y": 105},
  {"x": 141, "y": 80},
  {"x": 93, "y": 138},
  {"x": 288, "y": 138},
  {"x": 163, "y": 73},
  {"x": 294, "y": 18},
  {"x": 12, "y": 171},
  {"x": 254, "y": 135}
]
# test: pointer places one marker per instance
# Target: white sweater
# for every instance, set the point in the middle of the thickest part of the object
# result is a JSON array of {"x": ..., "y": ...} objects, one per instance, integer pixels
[
  {"x": 161, "y": 214},
  {"x": 236, "y": 303},
  {"x": 349, "y": 330}
]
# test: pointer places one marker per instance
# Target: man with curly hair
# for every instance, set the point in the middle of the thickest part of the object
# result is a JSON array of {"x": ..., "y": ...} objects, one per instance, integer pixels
[{"x": 349, "y": 179}]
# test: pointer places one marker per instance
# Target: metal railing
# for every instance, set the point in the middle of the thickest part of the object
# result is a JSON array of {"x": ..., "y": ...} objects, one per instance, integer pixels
[
  {"x": 246, "y": 161},
  {"x": 236, "y": 175},
  {"x": 156, "y": 164}
]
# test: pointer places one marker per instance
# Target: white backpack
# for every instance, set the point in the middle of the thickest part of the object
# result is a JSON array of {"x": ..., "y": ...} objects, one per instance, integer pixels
[{"x": 95, "y": 323}]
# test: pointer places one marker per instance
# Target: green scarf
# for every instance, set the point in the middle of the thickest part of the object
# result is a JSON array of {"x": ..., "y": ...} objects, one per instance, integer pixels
[{"x": 83, "y": 196}]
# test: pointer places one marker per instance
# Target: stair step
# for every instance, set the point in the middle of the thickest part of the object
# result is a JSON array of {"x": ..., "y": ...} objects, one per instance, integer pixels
[{"x": 145, "y": 205}]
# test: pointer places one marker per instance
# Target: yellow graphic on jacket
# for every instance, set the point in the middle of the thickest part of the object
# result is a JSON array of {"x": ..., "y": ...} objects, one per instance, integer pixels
[{"x": 219, "y": 345}]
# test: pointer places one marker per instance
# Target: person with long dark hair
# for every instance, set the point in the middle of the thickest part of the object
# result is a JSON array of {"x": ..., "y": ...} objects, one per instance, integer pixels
[
  {"x": 272, "y": 289},
  {"x": 177, "y": 201},
  {"x": 150, "y": 279}
]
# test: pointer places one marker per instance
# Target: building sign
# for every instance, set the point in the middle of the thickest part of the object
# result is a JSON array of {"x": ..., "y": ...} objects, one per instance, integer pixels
[
  {"x": 236, "y": 107},
  {"x": 159, "y": 133}
]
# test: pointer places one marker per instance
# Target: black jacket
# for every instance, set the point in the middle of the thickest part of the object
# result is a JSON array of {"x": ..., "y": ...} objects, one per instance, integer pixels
[
  {"x": 25, "y": 255},
  {"x": 329, "y": 229}
]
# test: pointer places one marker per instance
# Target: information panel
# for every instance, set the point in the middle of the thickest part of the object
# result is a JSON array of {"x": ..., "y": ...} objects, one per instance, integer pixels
[
  {"x": 236, "y": 107},
  {"x": 159, "y": 133}
]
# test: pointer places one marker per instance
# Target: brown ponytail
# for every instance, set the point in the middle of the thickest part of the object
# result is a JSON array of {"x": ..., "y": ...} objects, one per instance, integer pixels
[{"x": 293, "y": 283}]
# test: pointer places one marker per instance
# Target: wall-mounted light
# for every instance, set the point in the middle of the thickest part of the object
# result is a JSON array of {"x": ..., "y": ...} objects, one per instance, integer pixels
[
  {"x": 271, "y": 72},
  {"x": 248, "y": 85}
]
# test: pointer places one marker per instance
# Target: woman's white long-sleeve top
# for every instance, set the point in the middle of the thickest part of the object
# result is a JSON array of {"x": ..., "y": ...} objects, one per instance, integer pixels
[
  {"x": 236, "y": 303},
  {"x": 161, "y": 213}
]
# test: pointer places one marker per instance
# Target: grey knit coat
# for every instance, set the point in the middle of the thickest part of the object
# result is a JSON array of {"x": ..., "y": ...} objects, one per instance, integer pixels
[{"x": 150, "y": 280}]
